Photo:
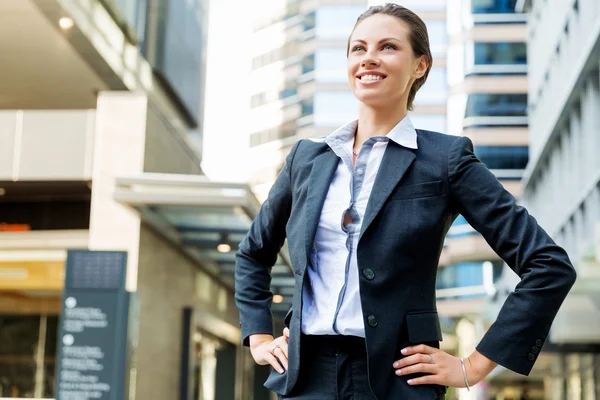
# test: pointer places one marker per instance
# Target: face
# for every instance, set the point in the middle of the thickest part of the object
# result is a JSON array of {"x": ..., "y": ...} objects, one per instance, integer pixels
[{"x": 381, "y": 63}]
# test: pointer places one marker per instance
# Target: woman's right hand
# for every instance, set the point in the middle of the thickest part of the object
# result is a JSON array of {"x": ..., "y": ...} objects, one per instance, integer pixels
[{"x": 266, "y": 350}]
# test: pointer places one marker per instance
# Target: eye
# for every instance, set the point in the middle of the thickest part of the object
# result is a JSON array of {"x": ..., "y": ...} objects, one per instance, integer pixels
[
  {"x": 357, "y": 48},
  {"x": 388, "y": 47}
]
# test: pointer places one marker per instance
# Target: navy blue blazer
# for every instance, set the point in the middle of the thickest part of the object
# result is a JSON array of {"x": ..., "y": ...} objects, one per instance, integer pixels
[{"x": 416, "y": 196}]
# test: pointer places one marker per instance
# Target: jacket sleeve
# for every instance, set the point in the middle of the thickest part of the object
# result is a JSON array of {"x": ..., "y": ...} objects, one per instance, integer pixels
[
  {"x": 514, "y": 340},
  {"x": 258, "y": 253}
]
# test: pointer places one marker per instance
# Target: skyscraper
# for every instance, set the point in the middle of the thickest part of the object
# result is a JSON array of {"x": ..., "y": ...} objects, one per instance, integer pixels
[{"x": 562, "y": 179}]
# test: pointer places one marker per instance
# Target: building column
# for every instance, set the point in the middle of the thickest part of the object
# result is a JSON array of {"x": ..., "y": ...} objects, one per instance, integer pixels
[{"x": 118, "y": 151}]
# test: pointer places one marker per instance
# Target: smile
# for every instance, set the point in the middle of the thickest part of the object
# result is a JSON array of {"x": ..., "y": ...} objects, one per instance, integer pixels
[{"x": 368, "y": 78}]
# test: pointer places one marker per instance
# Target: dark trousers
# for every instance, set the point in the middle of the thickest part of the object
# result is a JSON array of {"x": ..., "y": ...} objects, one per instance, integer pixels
[{"x": 332, "y": 368}]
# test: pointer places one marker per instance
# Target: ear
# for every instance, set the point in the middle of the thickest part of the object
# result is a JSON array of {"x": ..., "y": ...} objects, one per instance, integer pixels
[{"x": 421, "y": 66}]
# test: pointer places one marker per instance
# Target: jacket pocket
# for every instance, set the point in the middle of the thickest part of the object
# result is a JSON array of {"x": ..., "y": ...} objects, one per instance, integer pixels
[
  {"x": 423, "y": 327},
  {"x": 425, "y": 189}
]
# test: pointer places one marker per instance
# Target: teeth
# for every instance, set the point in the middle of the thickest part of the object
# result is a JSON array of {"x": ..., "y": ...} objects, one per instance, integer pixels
[{"x": 371, "y": 78}]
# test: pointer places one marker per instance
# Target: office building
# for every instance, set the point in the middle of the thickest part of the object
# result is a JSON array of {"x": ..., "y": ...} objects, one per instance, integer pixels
[
  {"x": 562, "y": 179},
  {"x": 101, "y": 107}
]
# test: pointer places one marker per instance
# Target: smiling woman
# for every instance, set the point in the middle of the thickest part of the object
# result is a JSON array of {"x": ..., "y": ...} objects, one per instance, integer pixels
[
  {"x": 396, "y": 40},
  {"x": 363, "y": 322}
]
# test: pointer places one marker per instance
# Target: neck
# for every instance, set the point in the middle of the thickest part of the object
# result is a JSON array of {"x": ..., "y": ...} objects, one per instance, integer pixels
[{"x": 376, "y": 121}]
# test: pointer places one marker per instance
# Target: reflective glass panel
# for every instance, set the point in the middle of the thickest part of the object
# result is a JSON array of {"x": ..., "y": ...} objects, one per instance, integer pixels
[
  {"x": 503, "y": 157},
  {"x": 500, "y": 105},
  {"x": 500, "y": 53},
  {"x": 493, "y": 6}
]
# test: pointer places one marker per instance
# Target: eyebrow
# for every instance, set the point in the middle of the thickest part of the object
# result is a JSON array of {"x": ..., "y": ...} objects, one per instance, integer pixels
[{"x": 381, "y": 41}]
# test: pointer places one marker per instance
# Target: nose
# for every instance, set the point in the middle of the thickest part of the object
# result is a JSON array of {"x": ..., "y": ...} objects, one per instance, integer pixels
[{"x": 369, "y": 62}]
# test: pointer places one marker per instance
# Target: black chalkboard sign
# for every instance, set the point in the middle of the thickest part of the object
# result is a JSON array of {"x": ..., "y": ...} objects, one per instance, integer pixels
[{"x": 93, "y": 327}]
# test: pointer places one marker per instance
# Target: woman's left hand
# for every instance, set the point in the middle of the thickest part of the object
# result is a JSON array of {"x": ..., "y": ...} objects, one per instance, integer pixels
[{"x": 443, "y": 369}]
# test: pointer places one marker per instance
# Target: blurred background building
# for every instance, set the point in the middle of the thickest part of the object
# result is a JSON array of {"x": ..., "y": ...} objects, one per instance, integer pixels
[
  {"x": 562, "y": 179},
  {"x": 101, "y": 125}
]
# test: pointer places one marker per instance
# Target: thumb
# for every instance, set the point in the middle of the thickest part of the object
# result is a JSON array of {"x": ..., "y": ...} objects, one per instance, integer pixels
[{"x": 286, "y": 332}]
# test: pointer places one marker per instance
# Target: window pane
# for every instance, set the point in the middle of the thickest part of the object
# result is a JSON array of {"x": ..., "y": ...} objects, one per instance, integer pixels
[
  {"x": 500, "y": 53},
  {"x": 493, "y": 6},
  {"x": 503, "y": 157},
  {"x": 178, "y": 48},
  {"x": 18, "y": 343},
  {"x": 499, "y": 105},
  {"x": 460, "y": 275}
]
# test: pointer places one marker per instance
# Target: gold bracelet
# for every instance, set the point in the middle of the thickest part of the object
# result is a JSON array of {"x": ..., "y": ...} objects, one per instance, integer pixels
[{"x": 462, "y": 363}]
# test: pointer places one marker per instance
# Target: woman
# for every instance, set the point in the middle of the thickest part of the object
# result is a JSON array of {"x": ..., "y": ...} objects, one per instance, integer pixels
[{"x": 365, "y": 212}]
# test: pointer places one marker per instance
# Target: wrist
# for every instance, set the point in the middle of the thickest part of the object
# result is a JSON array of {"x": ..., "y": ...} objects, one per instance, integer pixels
[
  {"x": 478, "y": 367},
  {"x": 260, "y": 338}
]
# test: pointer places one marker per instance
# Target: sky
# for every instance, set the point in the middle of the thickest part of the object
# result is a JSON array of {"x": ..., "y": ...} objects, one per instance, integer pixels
[{"x": 227, "y": 90}]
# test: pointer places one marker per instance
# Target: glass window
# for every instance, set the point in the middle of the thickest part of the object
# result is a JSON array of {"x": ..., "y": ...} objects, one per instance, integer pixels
[
  {"x": 460, "y": 275},
  {"x": 334, "y": 108},
  {"x": 500, "y": 53},
  {"x": 498, "y": 105},
  {"x": 178, "y": 49},
  {"x": 336, "y": 22},
  {"x": 435, "y": 89},
  {"x": 18, "y": 345},
  {"x": 436, "y": 123},
  {"x": 133, "y": 12},
  {"x": 503, "y": 157},
  {"x": 493, "y": 6},
  {"x": 460, "y": 228}
]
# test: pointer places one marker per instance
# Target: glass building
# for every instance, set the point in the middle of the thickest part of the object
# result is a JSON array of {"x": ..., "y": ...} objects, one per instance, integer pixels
[
  {"x": 562, "y": 181},
  {"x": 101, "y": 106}
]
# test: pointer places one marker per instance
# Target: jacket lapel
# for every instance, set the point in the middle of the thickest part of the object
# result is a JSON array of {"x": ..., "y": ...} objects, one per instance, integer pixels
[
  {"x": 394, "y": 164},
  {"x": 320, "y": 178}
]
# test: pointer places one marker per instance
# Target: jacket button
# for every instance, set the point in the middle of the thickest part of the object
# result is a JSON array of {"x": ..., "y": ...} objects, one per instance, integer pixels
[
  {"x": 368, "y": 273},
  {"x": 531, "y": 357},
  {"x": 372, "y": 321},
  {"x": 535, "y": 350},
  {"x": 538, "y": 343}
]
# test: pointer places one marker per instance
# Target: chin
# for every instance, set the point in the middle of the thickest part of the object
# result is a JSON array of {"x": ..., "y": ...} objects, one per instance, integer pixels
[{"x": 372, "y": 100}]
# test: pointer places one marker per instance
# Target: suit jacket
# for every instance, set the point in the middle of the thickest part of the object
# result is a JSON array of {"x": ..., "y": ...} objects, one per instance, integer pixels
[{"x": 416, "y": 196}]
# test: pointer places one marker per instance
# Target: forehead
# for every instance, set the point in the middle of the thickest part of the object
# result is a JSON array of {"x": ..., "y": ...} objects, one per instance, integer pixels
[{"x": 378, "y": 26}]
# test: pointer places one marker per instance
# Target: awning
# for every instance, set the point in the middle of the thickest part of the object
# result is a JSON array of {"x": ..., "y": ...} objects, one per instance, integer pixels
[{"x": 206, "y": 219}]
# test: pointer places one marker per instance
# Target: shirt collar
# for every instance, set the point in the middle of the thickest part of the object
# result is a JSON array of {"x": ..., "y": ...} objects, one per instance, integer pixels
[{"x": 403, "y": 134}]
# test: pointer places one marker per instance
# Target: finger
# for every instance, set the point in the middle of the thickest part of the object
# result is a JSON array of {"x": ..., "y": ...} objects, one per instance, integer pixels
[
  {"x": 420, "y": 348},
  {"x": 271, "y": 359},
  {"x": 283, "y": 345},
  {"x": 424, "y": 380},
  {"x": 282, "y": 357},
  {"x": 410, "y": 360},
  {"x": 286, "y": 332},
  {"x": 416, "y": 368}
]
